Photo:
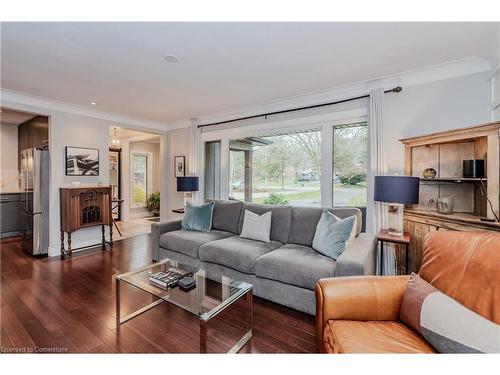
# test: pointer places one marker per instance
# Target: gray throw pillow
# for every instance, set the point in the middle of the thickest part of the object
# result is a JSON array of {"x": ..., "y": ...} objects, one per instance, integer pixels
[
  {"x": 198, "y": 217},
  {"x": 256, "y": 227},
  {"x": 333, "y": 235}
]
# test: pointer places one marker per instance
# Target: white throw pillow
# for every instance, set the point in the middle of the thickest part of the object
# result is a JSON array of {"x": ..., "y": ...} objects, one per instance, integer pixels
[
  {"x": 353, "y": 232},
  {"x": 256, "y": 227}
]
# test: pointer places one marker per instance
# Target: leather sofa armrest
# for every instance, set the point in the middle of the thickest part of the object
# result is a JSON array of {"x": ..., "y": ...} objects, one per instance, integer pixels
[
  {"x": 359, "y": 258},
  {"x": 157, "y": 229},
  {"x": 357, "y": 298}
]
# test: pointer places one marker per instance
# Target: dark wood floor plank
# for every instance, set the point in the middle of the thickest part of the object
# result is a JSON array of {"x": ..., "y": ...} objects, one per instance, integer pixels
[{"x": 69, "y": 306}]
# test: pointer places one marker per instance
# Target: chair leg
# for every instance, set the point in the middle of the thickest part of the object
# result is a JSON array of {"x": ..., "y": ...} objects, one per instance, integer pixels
[{"x": 118, "y": 229}]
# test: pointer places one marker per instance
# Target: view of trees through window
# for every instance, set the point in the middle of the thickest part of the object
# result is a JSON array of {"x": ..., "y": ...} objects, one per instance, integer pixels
[
  {"x": 286, "y": 169},
  {"x": 139, "y": 179},
  {"x": 350, "y": 153}
]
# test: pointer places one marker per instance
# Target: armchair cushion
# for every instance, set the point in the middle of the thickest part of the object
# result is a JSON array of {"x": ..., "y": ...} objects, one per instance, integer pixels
[
  {"x": 362, "y": 298},
  {"x": 348, "y": 336},
  {"x": 446, "y": 324}
]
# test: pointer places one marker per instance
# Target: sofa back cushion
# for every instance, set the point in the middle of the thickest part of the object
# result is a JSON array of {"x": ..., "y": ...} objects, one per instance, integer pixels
[
  {"x": 226, "y": 215},
  {"x": 305, "y": 220},
  {"x": 465, "y": 266},
  {"x": 446, "y": 324},
  {"x": 198, "y": 217},
  {"x": 281, "y": 217}
]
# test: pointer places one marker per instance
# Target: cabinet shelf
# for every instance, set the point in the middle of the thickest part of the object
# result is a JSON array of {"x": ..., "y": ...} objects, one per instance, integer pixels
[{"x": 457, "y": 180}]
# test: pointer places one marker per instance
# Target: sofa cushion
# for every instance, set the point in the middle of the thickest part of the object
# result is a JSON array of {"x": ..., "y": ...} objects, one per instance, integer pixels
[
  {"x": 280, "y": 221},
  {"x": 198, "y": 217},
  {"x": 256, "y": 227},
  {"x": 226, "y": 215},
  {"x": 348, "y": 336},
  {"x": 189, "y": 241},
  {"x": 305, "y": 220},
  {"x": 296, "y": 265},
  {"x": 236, "y": 252},
  {"x": 333, "y": 235}
]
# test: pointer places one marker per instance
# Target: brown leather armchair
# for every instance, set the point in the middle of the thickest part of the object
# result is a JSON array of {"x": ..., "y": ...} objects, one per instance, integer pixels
[{"x": 360, "y": 314}]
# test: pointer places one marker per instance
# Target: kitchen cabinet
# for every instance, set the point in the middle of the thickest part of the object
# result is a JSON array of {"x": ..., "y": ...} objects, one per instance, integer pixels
[
  {"x": 12, "y": 219},
  {"x": 33, "y": 133}
]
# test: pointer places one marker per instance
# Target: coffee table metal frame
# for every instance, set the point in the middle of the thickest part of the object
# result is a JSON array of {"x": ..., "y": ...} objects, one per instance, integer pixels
[{"x": 246, "y": 292}]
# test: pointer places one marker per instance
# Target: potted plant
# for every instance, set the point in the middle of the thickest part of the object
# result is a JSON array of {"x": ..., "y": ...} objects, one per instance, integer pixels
[{"x": 153, "y": 203}]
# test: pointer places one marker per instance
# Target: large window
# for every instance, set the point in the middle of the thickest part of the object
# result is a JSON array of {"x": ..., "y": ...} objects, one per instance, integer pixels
[
  {"x": 286, "y": 168},
  {"x": 350, "y": 144},
  {"x": 139, "y": 179},
  {"x": 280, "y": 169}
]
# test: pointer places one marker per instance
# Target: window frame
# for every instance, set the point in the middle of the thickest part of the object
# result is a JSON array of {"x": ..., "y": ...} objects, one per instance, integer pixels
[
  {"x": 325, "y": 122},
  {"x": 332, "y": 135},
  {"x": 149, "y": 176}
]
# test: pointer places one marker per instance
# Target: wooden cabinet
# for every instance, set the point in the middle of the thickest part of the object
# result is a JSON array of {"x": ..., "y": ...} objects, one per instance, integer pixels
[
  {"x": 83, "y": 207},
  {"x": 475, "y": 199}
]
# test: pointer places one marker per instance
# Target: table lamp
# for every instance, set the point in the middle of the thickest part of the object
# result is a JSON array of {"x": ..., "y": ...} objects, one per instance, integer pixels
[
  {"x": 397, "y": 191},
  {"x": 187, "y": 184}
]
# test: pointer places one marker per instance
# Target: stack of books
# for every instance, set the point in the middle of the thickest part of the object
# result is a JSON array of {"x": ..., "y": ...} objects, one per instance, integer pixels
[{"x": 169, "y": 278}]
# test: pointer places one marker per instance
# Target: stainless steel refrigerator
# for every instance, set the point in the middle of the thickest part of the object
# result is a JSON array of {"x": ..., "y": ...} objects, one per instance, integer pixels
[{"x": 35, "y": 197}]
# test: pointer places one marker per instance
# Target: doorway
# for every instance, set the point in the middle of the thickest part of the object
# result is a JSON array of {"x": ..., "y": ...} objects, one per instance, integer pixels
[{"x": 135, "y": 179}]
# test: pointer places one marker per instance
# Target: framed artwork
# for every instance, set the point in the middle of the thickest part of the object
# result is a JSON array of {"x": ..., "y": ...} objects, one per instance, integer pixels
[
  {"x": 179, "y": 166},
  {"x": 82, "y": 161}
]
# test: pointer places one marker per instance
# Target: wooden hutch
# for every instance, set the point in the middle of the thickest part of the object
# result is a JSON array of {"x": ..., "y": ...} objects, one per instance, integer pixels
[
  {"x": 83, "y": 207},
  {"x": 475, "y": 199}
]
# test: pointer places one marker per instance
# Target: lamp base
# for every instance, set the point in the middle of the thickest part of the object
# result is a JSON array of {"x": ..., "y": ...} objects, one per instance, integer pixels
[
  {"x": 395, "y": 219},
  {"x": 187, "y": 198}
]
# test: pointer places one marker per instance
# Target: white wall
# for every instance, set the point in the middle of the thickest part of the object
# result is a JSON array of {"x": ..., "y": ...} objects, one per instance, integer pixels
[
  {"x": 433, "y": 107},
  {"x": 495, "y": 85},
  {"x": 177, "y": 144},
  {"x": 73, "y": 130},
  {"x": 8, "y": 155}
]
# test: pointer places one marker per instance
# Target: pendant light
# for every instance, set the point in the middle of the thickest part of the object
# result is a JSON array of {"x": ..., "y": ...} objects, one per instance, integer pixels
[{"x": 114, "y": 142}]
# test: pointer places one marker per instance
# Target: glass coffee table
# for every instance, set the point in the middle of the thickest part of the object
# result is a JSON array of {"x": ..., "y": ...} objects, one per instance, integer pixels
[{"x": 212, "y": 295}]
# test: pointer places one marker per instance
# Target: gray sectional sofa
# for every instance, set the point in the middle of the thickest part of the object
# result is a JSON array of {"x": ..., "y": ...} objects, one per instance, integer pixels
[{"x": 284, "y": 270}]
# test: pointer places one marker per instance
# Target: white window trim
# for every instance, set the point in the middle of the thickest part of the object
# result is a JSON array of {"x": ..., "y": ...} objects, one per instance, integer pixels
[
  {"x": 149, "y": 177},
  {"x": 325, "y": 122}
]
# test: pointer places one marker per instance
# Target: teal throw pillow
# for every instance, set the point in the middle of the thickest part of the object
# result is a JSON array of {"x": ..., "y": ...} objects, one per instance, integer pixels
[
  {"x": 198, "y": 217},
  {"x": 333, "y": 234}
]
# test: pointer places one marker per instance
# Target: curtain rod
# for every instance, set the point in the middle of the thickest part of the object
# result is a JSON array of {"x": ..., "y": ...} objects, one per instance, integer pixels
[{"x": 395, "y": 89}]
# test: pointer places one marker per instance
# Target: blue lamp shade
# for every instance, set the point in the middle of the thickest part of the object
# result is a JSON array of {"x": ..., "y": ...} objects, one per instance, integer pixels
[
  {"x": 188, "y": 183},
  {"x": 397, "y": 189}
]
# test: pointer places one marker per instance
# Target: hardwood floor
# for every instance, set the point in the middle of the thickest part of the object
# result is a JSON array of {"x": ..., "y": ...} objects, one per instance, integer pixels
[{"x": 49, "y": 305}]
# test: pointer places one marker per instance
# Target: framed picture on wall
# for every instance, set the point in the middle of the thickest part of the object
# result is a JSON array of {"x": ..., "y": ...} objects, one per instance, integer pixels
[
  {"x": 179, "y": 166},
  {"x": 82, "y": 161}
]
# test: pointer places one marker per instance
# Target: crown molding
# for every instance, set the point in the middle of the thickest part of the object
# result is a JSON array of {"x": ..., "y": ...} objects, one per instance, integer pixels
[
  {"x": 45, "y": 106},
  {"x": 415, "y": 77}
]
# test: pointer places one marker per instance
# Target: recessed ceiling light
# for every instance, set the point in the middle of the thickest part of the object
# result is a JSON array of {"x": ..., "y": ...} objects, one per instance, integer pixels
[
  {"x": 171, "y": 58},
  {"x": 93, "y": 103}
]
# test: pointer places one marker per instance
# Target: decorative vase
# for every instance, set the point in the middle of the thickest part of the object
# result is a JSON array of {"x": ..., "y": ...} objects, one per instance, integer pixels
[
  {"x": 445, "y": 205},
  {"x": 429, "y": 173}
]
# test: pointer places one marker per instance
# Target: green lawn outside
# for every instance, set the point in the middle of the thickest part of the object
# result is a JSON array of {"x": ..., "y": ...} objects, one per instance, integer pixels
[
  {"x": 358, "y": 201},
  {"x": 293, "y": 197}
]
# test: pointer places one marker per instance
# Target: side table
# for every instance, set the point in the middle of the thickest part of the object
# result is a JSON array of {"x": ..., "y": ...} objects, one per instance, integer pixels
[{"x": 384, "y": 236}]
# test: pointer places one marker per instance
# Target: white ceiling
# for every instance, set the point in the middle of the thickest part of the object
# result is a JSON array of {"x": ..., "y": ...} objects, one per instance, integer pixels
[
  {"x": 221, "y": 66},
  {"x": 8, "y": 116}
]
